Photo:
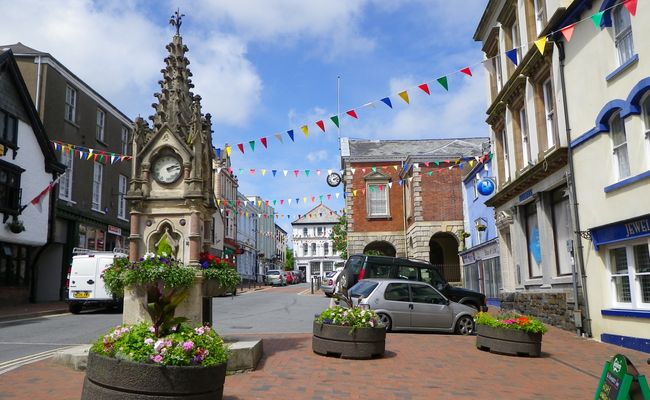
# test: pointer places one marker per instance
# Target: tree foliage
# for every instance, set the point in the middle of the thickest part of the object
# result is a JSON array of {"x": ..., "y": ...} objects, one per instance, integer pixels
[
  {"x": 339, "y": 236},
  {"x": 288, "y": 263}
]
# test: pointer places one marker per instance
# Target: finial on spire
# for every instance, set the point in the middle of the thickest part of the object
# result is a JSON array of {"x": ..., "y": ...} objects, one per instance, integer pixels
[{"x": 175, "y": 20}]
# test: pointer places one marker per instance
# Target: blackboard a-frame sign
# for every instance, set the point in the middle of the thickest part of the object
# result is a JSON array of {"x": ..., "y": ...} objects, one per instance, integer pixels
[{"x": 620, "y": 380}]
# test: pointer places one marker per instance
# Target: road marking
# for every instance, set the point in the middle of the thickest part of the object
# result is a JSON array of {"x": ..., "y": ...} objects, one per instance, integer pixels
[
  {"x": 19, "y": 362},
  {"x": 44, "y": 344}
]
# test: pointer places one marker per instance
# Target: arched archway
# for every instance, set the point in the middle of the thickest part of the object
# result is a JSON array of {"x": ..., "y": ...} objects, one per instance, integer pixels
[
  {"x": 443, "y": 253},
  {"x": 380, "y": 247}
]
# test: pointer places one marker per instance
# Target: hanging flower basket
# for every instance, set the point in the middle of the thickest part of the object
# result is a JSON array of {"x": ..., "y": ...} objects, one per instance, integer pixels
[
  {"x": 481, "y": 228},
  {"x": 16, "y": 226}
]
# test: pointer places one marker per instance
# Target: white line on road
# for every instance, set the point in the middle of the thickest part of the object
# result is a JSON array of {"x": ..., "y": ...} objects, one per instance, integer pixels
[{"x": 19, "y": 362}]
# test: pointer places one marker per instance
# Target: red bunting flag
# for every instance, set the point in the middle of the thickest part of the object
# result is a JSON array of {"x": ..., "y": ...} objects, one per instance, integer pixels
[
  {"x": 425, "y": 88},
  {"x": 631, "y": 6},
  {"x": 352, "y": 113},
  {"x": 466, "y": 71},
  {"x": 296, "y": 172},
  {"x": 568, "y": 32},
  {"x": 252, "y": 171},
  {"x": 241, "y": 147},
  {"x": 263, "y": 140},
  {"x": 321, "y": 125}
]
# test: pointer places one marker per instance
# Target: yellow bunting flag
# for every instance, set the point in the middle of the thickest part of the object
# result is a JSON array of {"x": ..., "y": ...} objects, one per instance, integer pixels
[
  {"x": 405, "y": 96},
  {"x": 541, "y": 44},
  {"x": 228, "y": 150},
  {"x": 305, "y": 130},
  {"x": 354, "y": 192}
]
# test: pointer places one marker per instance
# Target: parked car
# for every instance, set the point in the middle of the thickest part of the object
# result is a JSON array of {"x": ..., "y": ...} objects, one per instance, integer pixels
[
  {"x": 276, "y": 277},
  {"x": 289, "y": 277},
  {"x": 85, "y": 283},
  {"x": 360, "y": 266},
  {"x": 328, "y": 284},
  {"x": 411, "y": 305}
]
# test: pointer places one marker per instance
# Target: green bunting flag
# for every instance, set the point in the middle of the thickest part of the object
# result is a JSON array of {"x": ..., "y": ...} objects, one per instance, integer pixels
[
  {"x": 252, "y": 143},
  {"x": 443, "y": 82},
  {"x": 597, "y": 18},
  {"x": 335, "y": 119}
]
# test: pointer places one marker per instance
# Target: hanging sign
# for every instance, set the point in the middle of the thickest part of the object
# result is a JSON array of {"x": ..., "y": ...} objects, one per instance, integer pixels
[
  {"x": 621, "y": 380},
  {"x": 485, "y": 186}
]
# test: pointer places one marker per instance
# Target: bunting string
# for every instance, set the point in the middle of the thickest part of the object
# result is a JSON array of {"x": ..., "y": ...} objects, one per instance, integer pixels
[
  {"x": 441, "y": 81},
  {"x": 86, "y": 153}
]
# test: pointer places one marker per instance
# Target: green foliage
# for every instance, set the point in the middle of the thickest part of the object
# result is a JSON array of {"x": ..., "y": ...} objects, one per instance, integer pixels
[
  {"x": 220, "y": 270},
  {"x": 339, "y": 237},
  {"x": 288, "y": 263},
  {"x": 181, "y": 347},
  {"x": 148, "y": 270},
  {"x": 514, "y": 321},
  {"x": 354, "y": 317},
  {"x": 373, "y": 253},
  {"x": 161, "y": 306}
]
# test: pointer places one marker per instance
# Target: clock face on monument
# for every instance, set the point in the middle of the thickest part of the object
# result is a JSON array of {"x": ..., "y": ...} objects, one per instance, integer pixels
[
  {"x": 166, "y": 169},
  {"x": 333, "y": 179}
]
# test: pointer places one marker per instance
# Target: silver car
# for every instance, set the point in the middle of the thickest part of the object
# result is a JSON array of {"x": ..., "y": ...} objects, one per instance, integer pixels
[
  {"x": 276, "y": 277},
  {"x": 412, "y": 305},
  {"x": 328, "y": 284}
]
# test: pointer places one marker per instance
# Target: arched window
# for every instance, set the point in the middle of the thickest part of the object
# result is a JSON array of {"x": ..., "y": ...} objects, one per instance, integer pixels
[
  {"x": 623, "y": 34},
  {"x": 619, "y": 146},
  {"x": 645, "y": 112}
]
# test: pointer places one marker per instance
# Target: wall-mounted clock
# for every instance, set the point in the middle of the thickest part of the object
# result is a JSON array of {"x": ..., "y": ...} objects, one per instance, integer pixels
[
  {"x": 167, "y": 169},
  {"x": 333, "y": 179}
]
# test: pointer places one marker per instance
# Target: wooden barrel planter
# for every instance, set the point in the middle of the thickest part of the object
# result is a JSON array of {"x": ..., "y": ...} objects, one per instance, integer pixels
[
  {"x": 113, "y": 379},
  {"x": 339, "y": 341},
  {"x": 508, "y": 341}
]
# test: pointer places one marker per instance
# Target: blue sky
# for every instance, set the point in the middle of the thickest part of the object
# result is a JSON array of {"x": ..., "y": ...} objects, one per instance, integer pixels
[{"x": 266, "y": 66}]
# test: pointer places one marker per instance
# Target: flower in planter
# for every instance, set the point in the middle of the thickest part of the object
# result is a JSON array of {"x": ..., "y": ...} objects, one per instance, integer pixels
[
  {"x": 513, "y": 321},
  {"x": 220, "y": 270},
  {"x": 352, "y": 316},
  {"x": 182, "y": 347}
]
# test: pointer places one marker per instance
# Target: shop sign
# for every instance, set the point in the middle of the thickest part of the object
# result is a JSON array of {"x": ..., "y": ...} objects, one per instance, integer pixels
[
  {"x": 621, "y": 380},
  {"x": 114, "y": 230},
  {"x": 630, "y": 229}
]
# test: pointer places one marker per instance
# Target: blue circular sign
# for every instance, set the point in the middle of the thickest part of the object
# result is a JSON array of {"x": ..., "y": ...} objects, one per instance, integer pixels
[{"x": 485, "y": 186}]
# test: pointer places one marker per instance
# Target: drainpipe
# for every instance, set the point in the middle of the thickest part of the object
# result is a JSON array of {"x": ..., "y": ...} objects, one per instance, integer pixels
[
  {"x": 573, "y": 202},
  {"x": 406, "y": 245},
  {"x": 38, "y": 84}
]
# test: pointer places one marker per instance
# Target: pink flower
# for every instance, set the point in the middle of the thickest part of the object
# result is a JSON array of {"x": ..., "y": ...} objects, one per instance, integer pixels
[
  {"x": 148, "y": 341},
  {"x": 157, "y": 358},
  {"x": 152, "y": 329},
  {"x": 189, "y": 345}
]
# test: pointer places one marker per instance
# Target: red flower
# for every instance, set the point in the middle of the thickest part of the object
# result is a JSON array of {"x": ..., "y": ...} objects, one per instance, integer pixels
[{"x": 210, "y": 257}]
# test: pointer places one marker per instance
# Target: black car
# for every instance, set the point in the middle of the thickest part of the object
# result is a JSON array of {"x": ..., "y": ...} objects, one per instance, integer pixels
[{"x": 361, "y": 266}]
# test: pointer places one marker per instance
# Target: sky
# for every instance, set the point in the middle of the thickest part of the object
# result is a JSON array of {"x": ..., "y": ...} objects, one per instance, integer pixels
[{"x": 264, "y": 67}]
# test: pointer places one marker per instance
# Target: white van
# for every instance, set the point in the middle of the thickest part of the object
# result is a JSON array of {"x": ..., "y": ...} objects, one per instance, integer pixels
[{"x": 85, "y": 283}]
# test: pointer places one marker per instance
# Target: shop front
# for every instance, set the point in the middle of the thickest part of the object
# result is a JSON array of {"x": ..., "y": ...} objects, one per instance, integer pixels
[{"x": 481, "y": 270}]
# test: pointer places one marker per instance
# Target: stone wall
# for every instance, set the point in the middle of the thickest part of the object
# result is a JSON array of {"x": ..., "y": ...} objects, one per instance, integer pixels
[{"x": 549, "y": 307}]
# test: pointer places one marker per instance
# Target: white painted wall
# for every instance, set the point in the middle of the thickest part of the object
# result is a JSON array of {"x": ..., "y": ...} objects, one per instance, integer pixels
[{"x": 32, "y": 181}]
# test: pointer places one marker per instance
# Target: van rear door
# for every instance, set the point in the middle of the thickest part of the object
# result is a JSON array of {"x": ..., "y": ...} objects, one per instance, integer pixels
[
  {"x": 83, "y": 277},
  {"x": 103, "y": 262}
]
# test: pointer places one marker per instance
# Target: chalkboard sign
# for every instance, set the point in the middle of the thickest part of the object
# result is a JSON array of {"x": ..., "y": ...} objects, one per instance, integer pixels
[{"x": 620, "y": 380}]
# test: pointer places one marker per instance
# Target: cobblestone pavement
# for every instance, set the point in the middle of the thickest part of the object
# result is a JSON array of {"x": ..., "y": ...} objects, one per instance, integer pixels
[{"x": 415, "y": 366}]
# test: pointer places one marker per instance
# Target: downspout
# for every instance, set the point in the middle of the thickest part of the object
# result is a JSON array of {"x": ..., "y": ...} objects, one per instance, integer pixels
[
  {"x": 406, "y": 245},
  {"x": 573, "y": 202},
  {"x": 38, "y": 84}
]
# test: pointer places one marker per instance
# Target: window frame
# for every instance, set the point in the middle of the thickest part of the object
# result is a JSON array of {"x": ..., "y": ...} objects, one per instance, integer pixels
[
  {"x": 97, "y": 187},
  {"x": 326, "y": 249},
  {"x": 530, "y": 210},
  {"x": 632, "y": 275},
  {"x": 559, "y": 247},
  {"x": 525, "y": 137},
  {"x": 100, "y": 125},
  {"x": 539, "y": 13},
  {"x": 66, "y": 178},
  {"x": 313, "y": 249},
  {"x": 122, "y": 187},
  {"x": 305, "y": 249},
  {"x": 7, "y": 119},
  {"x": 70, "y": 108},
  {"x": 622, "y": 35},
  {"x": 506, "y": 154},
  {"x": 644, "y": 104},
  {"x": 550, "y": 116},
  {"x": 15, "y": 188},
  {"x": 125, "y": 140},
  {"x": 369, "y": 200},
  {"x": 620, "y": 147}
]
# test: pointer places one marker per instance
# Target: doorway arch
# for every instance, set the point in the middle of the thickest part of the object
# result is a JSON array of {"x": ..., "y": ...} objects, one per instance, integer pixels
[
  {"x": 380, "y": 247},
  {"x": 443, "y": 253}
]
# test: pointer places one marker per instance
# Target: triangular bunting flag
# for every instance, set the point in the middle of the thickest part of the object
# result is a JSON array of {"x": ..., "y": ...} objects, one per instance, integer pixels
[
  {"x": 386, "y": 100},
  {"x": 466, "y": 71},
  {"x": 374, "y": 169},
  {"x": 353, "y": 169},
  {"x": 228, "y": 150},
  {"x": 285, "y": 172},
  {"x": 218, "y": 153},
  {"x": 274, "y": 171},
  {"x": 321, "y": 125},
  {"x": 335, "y": 119},
  {"x": 541, "y": 44},
  {"x": 336, "y": 195},
  {"x": 290, "y": 133},
  {"x": 390, "y": 185},
  {"x": 241, "y": 147},
  {"x": 404, "y": 95},
  {"x": 631, "y": 6},
  {"x": 252, "y": 144},
  {"x": 443, "y": 82},
  {"x": 296, "y": 172},
  {"x": 306, "y": 172},
  {"x": 279, "y": 137},
  {"x": 489, "y": 66},
  {"x": 263, "y": 140},
  {"x": 597, "y": 18},
  {"x": 425, "y": 88},
  {"x": 305, "y": 130},
  {"x": 352, "y": 113},
  {"x": 568, "y": 32},
  {"x": 512, "y": 55},
  {"x": 263, "y": 171}
]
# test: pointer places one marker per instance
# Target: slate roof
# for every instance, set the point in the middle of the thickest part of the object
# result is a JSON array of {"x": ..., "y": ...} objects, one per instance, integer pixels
[
  {"x": 433, "y": 149},
  {"x": 320, "y": 214},
  {"x": 21, "y": 49}
]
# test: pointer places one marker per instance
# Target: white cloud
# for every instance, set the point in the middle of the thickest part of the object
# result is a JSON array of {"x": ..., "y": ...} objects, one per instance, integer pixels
[{"x": 317, "y": 155}]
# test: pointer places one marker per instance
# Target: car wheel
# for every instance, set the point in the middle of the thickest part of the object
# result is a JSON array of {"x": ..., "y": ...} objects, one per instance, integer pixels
[
  {"x": 328, "y": 294},
  {"x": 75, "y": 308},
  {"x": 465, "y": 325},
  {"x": 385, "y": 319}
]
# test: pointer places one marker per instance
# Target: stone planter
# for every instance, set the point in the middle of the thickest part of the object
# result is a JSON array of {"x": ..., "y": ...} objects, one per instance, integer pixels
[
  {"x": 508, "y": 341},
  {"x": 337, "y": 341},
  {"x": 113, "y": 379},
  {"x": 212, "y": 288}
]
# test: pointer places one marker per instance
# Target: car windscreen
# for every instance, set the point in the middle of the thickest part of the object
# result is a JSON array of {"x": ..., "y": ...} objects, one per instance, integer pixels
[
  {"x": 330, "y": 274},
  {"x": 273, "y": 273},
  {"x": 362, "y": 288}
]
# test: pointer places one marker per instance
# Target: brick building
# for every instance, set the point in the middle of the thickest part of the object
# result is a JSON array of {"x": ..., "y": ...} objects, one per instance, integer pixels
[{"x": 404, "y": 197}]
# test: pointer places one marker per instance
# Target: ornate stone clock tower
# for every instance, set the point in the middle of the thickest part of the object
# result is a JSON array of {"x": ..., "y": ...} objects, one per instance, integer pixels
[{"x": 171, "y": 193}]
